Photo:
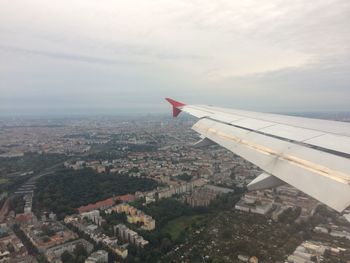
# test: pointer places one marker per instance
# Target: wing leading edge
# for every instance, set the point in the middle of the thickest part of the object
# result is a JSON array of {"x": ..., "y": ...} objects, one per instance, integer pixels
[{"x": 309, "y": 154}]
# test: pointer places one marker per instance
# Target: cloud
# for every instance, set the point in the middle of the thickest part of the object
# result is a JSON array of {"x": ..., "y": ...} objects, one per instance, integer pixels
[
  {"x": 262, "y": 55},
  {"x": 65, "y": 56}
]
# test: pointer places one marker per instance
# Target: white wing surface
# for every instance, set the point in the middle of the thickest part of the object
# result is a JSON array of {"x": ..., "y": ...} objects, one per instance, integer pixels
[{"x": 309, "y": 154}]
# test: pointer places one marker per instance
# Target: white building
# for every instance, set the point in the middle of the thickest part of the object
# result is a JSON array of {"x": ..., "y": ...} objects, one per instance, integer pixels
[{"x": 99, "y": 256}]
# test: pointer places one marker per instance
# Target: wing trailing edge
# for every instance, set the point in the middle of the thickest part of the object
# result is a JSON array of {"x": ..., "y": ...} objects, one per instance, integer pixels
[
  {"x": 321, "y": 175},
  {"x": 264, "y": 181},
  {"x": 310, "y": 154}
]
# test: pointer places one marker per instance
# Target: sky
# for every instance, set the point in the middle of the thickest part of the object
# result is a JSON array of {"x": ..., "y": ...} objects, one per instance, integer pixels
[{"x": 119, "y": 57}]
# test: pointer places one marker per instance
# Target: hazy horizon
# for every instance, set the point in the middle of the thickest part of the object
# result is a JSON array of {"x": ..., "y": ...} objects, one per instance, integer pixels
[{"x": 112, "y": 57}]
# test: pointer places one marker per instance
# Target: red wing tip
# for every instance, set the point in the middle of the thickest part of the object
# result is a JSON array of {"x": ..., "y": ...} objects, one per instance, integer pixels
[{"x": 175, "y": 103}]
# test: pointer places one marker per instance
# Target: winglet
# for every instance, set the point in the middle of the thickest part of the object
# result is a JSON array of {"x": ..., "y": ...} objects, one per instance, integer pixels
[{"x": 176, "y": 105}]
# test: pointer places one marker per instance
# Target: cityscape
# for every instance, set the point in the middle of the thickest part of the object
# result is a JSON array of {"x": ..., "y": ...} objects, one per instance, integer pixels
[
  {"x": 112, "y": 190},
  {"x": 187, "y": 131}
]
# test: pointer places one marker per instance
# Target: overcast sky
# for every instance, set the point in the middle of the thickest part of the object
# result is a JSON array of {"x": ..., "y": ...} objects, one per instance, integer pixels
[{"x": 111, "y": 56}]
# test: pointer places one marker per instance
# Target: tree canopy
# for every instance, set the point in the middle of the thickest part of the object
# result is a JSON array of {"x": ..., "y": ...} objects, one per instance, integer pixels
[{"x": 66, "y": 190}]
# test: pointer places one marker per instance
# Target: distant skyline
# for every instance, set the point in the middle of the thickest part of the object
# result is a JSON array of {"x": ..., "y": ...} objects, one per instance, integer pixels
[{"x": 124, "y": 57}]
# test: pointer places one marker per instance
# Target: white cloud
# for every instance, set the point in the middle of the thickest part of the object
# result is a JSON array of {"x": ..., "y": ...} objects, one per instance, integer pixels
[{"x": 161, "y": 45}]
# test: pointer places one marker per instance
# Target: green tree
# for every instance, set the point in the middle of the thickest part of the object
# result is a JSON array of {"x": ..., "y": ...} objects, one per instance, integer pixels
[
  {"x": 80, "y": 251},
  {"x": 66, "y": 190},
  {"x": 165, "y": 245},
  {"x": 67, "y": 257}
]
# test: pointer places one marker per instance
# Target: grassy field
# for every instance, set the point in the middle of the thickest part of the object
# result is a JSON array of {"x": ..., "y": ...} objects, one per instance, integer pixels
[
  {"x": 179, "y": 225},
  {"x": 3, "y": 181}
]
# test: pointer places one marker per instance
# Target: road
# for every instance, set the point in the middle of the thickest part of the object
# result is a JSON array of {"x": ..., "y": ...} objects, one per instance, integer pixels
[{"x": 50, "y": 170}]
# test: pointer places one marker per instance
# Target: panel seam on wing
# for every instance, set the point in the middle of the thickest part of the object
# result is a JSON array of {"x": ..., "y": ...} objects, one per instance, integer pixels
[{"x": 314, "y": 167}]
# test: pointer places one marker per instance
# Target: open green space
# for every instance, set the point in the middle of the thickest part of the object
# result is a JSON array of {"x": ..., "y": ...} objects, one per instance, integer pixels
[
  {"x": 3, "y": 180},
  {"x": 175, "y": 222},
  {"x": 181, "y": 225}
]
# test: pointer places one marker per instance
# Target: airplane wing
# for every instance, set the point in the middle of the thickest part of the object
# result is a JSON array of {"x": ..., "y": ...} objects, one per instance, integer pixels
[{"x": 310, "y": 154}]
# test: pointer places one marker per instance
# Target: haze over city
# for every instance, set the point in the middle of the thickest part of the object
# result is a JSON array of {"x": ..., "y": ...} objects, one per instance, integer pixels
[
  {"x": 117, "y": 57},
  {"x": 187, "y": 131}
]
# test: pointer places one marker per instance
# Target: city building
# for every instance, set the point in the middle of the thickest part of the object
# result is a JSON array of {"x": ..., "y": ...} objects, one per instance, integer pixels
[
  {"x": 94, "y": 216},
  {"x": 134, "y": 216},
  {"x": 130, "y": 236},
  {"x": 99, "y": 256},
  {"x": 309, "y": 251},
  {"x": 45, "y": 235},
  {"x": 202, "y": 196},
  {"x": 11, "y": 247},
  {"x": 54, "y": 254},
  {"x": 99, "y": 205}
]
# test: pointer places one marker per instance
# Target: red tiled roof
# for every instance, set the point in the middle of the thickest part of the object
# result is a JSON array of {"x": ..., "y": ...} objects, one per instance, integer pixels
[
  {"x": 98, "y": 205},
  {"x": 24, "y": 218},
  {"x": 106, "y": 203},
  {"x": 126, "y": 198}
]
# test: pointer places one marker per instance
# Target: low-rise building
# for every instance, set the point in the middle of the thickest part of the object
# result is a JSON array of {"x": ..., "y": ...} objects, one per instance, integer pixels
[
  {"x": 99, "y": 205},
  {"x": 121, "y": 251},
  {"x": 134, "y": 216},
  {"x": 310, "y": 250},
  {"x": 94, "y": 232},
  {"x": 44, "y": 235},
  {"x": 94, "y": 216},
  {"x": 99, "y": 256},
  {"x": 334, "y": 230},
  {"x": 12, "y": 248},
  {"x": 54, "y": 254},
  {"x": 130, "y": 236}
]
